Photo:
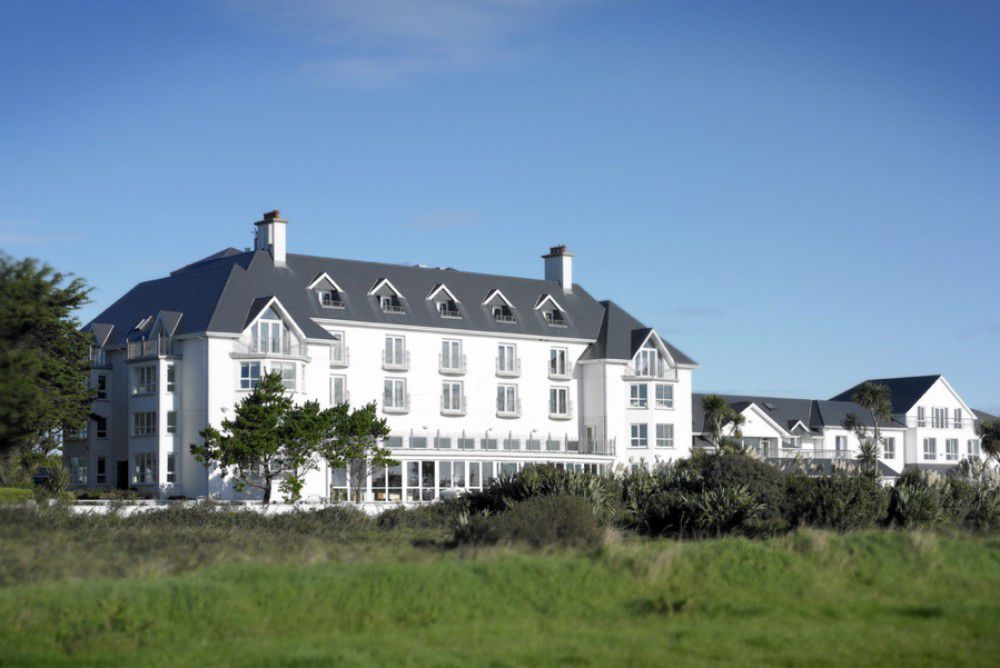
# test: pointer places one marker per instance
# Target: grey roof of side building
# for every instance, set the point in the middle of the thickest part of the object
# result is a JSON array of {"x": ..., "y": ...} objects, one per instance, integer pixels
[
  {"x": 218, "y": 293},
  {"x": 813, "y": 413},
  {"x": 621, "y": 335},
  {"x": 982, "y": 415},
  {"x": 906, "y": 391}
]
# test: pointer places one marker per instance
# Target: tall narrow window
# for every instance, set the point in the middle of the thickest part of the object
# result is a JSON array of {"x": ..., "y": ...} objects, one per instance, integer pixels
[
  {"x": 171, "y": 377},
  {"x": 841, "y": 444},
  {"x": 506, "y": 359},
  {"x": 268, "y": 334},
  {"x": 102, "y": 470},
  {"x": 171, "y": 422},
  {"x": 507, "y": 399},
  {"x": 973, "y": 447},
  {"x": 395, "y": 352},
  {"x": 338, "y": 390},
  {"x": 394, "y": 397},
  {"x": 930, "y": 448},
  {"x": 647, "y": 361},
  {"x": 100, "y": 427},
  {"x": 889, "y": 448},
  {"x": 951, "y": 449},
  {"x": 557, "y": 362},
  {"x": 102, "y": 386},
  {"x": 958, "y": 418},
  {"x": 338, "y": 352},
  {"x": 451, "y": 397},
  {"x": 144, "y": 468},
  {"x": 921, "y": 417},
  {"x": 451, "y": 355},
  {"x": 559, "y": 401},
  {"x": 171, "y": 468}
]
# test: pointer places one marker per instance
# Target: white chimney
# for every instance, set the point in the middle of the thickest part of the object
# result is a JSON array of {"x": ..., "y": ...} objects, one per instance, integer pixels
[
  {"x": 270, "y": 236},
  {"x": 559, "y": 267}
]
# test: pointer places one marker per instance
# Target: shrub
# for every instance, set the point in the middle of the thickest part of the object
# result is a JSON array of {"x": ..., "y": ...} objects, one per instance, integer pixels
[
  {"x": 763, "y": 482},
  {"x": 840, "y": 501},
  {"x": 539, "y": 521},
  {"x": 15, "y": 495},
  {"x": 916, "y": 500}
]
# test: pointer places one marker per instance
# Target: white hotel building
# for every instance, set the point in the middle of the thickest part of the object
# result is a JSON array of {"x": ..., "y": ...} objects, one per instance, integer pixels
[{"x": 476, "y": 374}]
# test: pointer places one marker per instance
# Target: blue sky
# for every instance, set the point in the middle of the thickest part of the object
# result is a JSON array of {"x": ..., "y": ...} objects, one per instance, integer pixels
[{"x": 797, "y": 196}]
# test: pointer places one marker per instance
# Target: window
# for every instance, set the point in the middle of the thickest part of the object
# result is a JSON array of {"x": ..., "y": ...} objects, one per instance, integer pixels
[
  {"x": 889, "y": 448},
  {"x": 330, "y": 299},
  {"x": 75, "y": 433},
  {"x": 951, "y": 449},
  {"x": 466, "y": 443},
  {"x": 420, "y": 481},
  {"x": 268, "y": 334},
  {"x": 287, "y": 371},
  {"x": 939, "y": 418},
  {"x": 958, "y": 418},
  {"x": 387, "y": 483},
  {"x": 557, "y": 362},
  {"x": 338, "y": 485},
  {"x": 558, "y": 401},
  {"x": 442, "y": 442},
  {"x": 394, "y": 355},
  {"x": 503, "y": 313},
  {"x": 100, "y": 426},
  {"x": 249, "y": 375},
  {"x": 171, "y": 378},
  {"x": 507, "y": 399},
  {"x": 102, "y": 470},
  {"x": 930, "y": 448},
  {"x": 841, "y": 444},
  {"x": 447, "y": 308},
  {"x": 451, "y": 355},
  {"x": 507, "y": 469},
  {"x": 487, "y": 443},
  {"x": 973, "y": 447},
  {"x": 555, "y": 318},
  {"x": 171, "y": 468},
  {"x": 102, "y": 386},
  {"x": 451, "y": 397},
  {"x": 451, "y": 475},
  {"x": 664, "y": 435},
  {"x": 507, "y": 359},
  {"x": 395, "y": 397},
  {"x": 338, "y": 390},
  {"x": 921, "y": 417},
  {"x": 338, "y": 351},
  {"x": 637, "y": 396},
  {"x": 647, "y": 361},
  {"x": 144, "y": 423},
  {"x": 664, "y": 396},
  {"x": 417, "y": 441},
  {"x": 639, "y": 436},
  {"x": 390, "y": 304},
  {"x": 171, "y": 422},
  {"x": 144, "y": 380},
  {"x": 144, "y": 468},
  {"x": 78, "y": 470}
]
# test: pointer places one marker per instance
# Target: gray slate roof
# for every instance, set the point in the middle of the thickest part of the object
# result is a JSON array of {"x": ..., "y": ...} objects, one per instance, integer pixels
[
  {"x": 219, "y": 293},
  {"x": 621, "y": 335},
  {"x": 906, "y": 391},
  {"x": 982, "y": 415},
  {"x": 814, "y": 413}
]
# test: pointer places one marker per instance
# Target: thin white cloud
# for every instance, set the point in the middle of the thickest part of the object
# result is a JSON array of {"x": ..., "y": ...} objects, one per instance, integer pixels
[{"x": 382, "y": 43}]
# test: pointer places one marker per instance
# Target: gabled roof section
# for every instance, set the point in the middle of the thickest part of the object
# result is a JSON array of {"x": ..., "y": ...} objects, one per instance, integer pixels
[
  {"x": 495, "y": 294},
  {"x": 547, "y": 299},
  {"x": 324, "y": 282},
  {"x": 906, "y": 391},
  {"x": 618, "y": 335},
  {"x": 101, "y": 333},
  {"x": 168, "y": 321},
  {"x": 441, "y": 287},
  {"x": 982, "y": 415},
  {"x": 261, "y": 304},
  {"x": 382, "y": 283},
  {"x": 813, "y": 414}
]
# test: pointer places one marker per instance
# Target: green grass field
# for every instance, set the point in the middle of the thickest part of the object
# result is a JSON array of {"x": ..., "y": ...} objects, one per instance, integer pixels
[{"x": 818, "y": 598}]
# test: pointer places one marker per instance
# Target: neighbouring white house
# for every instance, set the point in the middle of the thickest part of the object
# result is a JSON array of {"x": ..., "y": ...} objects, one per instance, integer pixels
[
  {"x": 931, "y": 427},
  {"x": 477, "y": 374}
]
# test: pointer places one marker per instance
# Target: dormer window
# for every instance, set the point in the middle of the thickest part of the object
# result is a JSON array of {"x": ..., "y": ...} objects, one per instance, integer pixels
[
  {"x": 330, "y": 299},
  {"x": 389, "y": 299},
  {"x": 551, "y": 311},
  {"x": 447, "y": 308},
  {"x": 503, "y": 313},
  {"x": 390, "y": 304},
  {"x": 555, "y": 318}
]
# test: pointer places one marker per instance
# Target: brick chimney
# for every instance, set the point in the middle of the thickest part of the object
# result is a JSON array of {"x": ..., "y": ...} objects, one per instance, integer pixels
[
  {"x": 270, "y": 236},
  {"x": 559, "y": 267}
]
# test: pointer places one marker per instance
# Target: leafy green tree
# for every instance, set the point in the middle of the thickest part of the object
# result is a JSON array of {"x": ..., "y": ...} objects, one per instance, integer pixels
[
  {"x": 44, "y": 363},
  {"x": 877, "y": 400},
  {"x": 268, "y": 439},
  {"x": 355, "y": 445},
  {"x": 988, "y": 430},
  {"x": 719, "y": 414}
]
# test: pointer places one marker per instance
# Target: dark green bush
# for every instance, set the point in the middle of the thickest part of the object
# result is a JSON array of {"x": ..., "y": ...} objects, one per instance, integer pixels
[
  {"x": 15, "y": 495},
  {"x": 539, "y": 521},
  {"x": 840, "y": 501},
  {"x": 915, "y": 500}
]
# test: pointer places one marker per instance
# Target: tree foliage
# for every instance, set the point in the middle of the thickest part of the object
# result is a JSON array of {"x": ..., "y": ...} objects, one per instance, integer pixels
[
  {"x": 355, "y": 445},
  {"x": 720, "y": 415},
  {"x": 876, "y": 398},
  {"x": 44, "y": 363},
  {"x": 988, "y": 430}
]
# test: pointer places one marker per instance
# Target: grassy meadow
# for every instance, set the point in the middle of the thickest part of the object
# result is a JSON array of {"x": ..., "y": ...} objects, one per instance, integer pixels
[{"x": 200, "y": 588}]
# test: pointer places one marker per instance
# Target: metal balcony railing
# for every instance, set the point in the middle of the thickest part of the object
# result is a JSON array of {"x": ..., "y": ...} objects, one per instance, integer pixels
[
  {"x": 512, "y": 368},
  {"x": 451, "y": 364},
  {"x": 395, "y": 361},
  {"x": 657, "y": 372},
  {"x": 340, "y": 356},
  {"x": 158, "y": 347},
  {"x": 452, "y": 408},
  {"x": 506, "y": 411},
  {"x": 287, "y": 346},
  {"x": 556, "y": 414},
  {"x": 389, "y": 405}
]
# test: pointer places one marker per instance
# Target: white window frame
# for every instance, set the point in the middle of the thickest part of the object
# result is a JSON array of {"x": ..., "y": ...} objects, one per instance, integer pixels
[
  {"x": 638, "y": 395},
  {"x": 889, "y": 447},
  {"x": 336, "y": 379},
  {"x": 289, "y": 374},
  {"x": 664, "y": 435},
  {"x": 171, "y": 468},
  {"x": 973, "y": 447},
  {"x": 921, "y": 416},
  {"x": 144, "y": 468},
  {"x": 395, "y": 350},
  {"x": 451, "y": 354},
  {"x": 638, "y": 435},
  {"x": 394, "y": 394},
  {"x": 507, "y": 358},
  {"x": 507, "y": 398},
  {"x": 840, "y": 444},
  {"x": 171, "y": 374},
  {"x": 558, "y": 361},
  {"x": 338, "y": 348},
  {"x": 951, "y": 449},
  {"x": 144, "y": 379},
  {"x": 268, "y": 334},
  {"x": 250, "y": 380},
  {"x": 171, "y": 422},
  {"x": 668, "y": 399},
  {"x": 930, "y": 449},
  {"x": 452, "y": 396},
  {"x": 144, "y": 423},
  {"x": 957, "y": 424},
  {"x": 559, "y": 401},
  {"x": 104, "y": 392}
]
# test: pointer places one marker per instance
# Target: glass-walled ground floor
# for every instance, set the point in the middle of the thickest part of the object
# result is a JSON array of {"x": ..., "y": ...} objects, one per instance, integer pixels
[{"x": 431, "y": 479}]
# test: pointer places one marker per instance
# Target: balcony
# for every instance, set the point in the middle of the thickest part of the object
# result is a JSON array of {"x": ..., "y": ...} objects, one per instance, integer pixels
[
  {"x": 287, "y": 346},
  {"x": 395, "y": 361},
  {"x": 657, "y": 372},
  {"x": 340, "y": 357},
  {"x": 565, "y": 415},
  {"x": 512, "y": 368},
  {"x": 507, "y": 411},
  {"x": 450, "y": 409},
  {"x": 394, "y": 408},
  {"x": 453, "y": 365},
  {"x": 158, "y": 347},
  {"x": 560, "y": 371},
  {"x": 99, "y": 358}
]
